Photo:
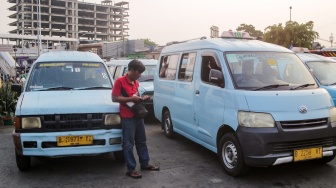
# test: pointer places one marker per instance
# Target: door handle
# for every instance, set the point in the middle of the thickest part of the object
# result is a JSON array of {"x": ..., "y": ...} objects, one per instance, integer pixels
[{"x": 197, "y": 92}]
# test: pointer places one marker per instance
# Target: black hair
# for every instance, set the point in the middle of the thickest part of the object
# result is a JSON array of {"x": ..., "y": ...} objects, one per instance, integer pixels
[{"x": 136, "y": 65}]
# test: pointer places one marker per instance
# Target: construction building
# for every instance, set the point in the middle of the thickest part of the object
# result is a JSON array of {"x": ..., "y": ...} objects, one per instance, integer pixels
[{"x": 75, "y": 19}]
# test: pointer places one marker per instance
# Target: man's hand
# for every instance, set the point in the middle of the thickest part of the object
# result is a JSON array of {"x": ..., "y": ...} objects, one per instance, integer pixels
[
  {"x": 145, "y": 97},
  {"x": 136, "y": 99}
]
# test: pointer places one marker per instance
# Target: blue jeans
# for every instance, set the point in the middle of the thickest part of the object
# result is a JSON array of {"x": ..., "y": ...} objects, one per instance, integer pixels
[{"x": 134, "y": 132}]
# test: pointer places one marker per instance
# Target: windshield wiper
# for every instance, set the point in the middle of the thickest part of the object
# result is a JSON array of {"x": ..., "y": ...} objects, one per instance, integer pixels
[
  {"x": 54, "y": 88},
  {"x": 270, "y": 86},
  {"x": 301, "y": 86},
  {"x": 332, "y": 84},
  {"x": 91, "y": 88}
]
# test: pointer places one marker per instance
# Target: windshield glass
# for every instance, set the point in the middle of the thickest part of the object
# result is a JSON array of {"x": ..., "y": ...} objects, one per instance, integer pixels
[
  {"x": 68, "y": 75},
  {"x": 259, "y": 70},
  {"x": 147, "y": 75},
  {"x": 325, "y": 72}
]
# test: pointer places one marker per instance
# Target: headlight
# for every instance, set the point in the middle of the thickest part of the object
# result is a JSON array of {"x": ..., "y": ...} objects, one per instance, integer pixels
[
  {"x": 112, "y": 119},
  {"x": 332, "y": 113},
  {"x": 251, "y": 119},
  {"x": 31, "y": 122}
]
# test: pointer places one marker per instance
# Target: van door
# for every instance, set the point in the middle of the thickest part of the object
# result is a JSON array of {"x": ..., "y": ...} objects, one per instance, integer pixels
[
  {"x": 209, "y": 99},
  {"x": 184, "y": 91}
]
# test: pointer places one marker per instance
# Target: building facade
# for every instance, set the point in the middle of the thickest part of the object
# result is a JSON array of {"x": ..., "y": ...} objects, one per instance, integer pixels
[
  {"x": 116, "y": 49},
  {"x": 71, "y": 19}
]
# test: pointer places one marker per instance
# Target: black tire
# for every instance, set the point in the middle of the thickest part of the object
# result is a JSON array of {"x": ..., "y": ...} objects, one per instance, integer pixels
[
  {"x": 119, "y": 156},
  {"x": 22, "y": 162},
  {"x": 324, "y": 160},
  {"x": 167, "y": 125},
  {"x": 231, "y": 156}
]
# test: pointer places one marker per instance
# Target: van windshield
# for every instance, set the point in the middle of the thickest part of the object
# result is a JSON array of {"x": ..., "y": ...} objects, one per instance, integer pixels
[
  {"x": 68, "y": 75},
  {"x": 269, "y": 70},
  {"x": 147, "y": 75},
  {"x": 325, "y": 72}
]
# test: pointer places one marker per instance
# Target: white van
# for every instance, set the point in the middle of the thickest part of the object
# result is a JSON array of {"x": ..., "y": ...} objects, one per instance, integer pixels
[
  {"x": 251, "y": 102},
  {"x": 119, "y": 67},
  {"x": 65, "y": 109}
]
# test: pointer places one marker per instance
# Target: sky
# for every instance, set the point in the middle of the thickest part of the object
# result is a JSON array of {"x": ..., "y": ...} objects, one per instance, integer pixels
[{"x": 163, "y": 21}]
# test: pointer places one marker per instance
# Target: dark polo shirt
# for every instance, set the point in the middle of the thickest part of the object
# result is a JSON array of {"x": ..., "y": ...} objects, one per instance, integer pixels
[{"x": 130, "y": 88}]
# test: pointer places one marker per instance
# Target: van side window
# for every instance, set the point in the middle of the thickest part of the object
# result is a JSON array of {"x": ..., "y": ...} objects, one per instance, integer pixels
[
  {"x": 125, "y": 71},
  {"x": 170, "y": 71},
  {"x": 111, "y": 69},
  {"x": 208, "y": 63},
  {"x": 163, "y": 66},
  {"x": 117, "y": 72},
  {"x": 187, "y": 67}
]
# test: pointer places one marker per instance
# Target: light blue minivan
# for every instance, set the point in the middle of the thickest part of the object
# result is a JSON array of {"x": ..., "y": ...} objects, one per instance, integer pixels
[
  {"x": 324, "y": 70},
  {"x": 251, "y": 102},
  {"x": 65, "y": 109}
]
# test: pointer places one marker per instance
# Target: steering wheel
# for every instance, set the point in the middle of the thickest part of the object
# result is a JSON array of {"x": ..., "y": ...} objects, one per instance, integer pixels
[{"x": 243, "y": 78}]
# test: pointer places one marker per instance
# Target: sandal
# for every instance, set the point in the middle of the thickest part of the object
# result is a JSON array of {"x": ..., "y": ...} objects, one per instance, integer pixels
[
  {"x": 134, "y": 174},
  {"x": 151, "y": 168}
]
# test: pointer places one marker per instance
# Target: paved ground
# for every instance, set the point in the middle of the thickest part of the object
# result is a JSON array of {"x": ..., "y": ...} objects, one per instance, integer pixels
[{"x": 183, "y": 164}]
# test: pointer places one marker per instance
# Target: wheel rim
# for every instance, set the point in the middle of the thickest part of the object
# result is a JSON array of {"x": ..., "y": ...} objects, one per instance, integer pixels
[
  {"x": 167, "y": 125},
  {"x": 230, "y": 155}
]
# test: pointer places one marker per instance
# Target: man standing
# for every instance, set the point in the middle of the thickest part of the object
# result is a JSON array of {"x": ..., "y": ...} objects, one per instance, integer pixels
[{"x": 133, "y": 129}]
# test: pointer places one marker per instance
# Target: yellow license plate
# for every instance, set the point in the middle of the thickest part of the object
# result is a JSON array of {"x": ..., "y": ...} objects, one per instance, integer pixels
[
  {"x": 306, "y": 154},
  {"x": 74, "y": 140}
]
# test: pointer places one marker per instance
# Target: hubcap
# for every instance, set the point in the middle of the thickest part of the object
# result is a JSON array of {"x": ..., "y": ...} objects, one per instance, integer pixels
[
  {"x": 167, "y": 125},
  {"x": 229, "y": 155}
]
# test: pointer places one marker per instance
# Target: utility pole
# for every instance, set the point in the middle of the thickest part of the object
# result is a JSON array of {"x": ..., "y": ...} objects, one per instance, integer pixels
[
  {"x": 290, "y": 13},
  {"x": 331, "y": 39}
]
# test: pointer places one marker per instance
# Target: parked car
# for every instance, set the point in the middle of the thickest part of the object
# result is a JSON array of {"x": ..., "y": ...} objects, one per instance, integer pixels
[
  {"x": 119, "y": 67},
  {"x": 65, "y": 109},
  {"x": 323, "y": 69},
  {"x": 251, "y": 102}
]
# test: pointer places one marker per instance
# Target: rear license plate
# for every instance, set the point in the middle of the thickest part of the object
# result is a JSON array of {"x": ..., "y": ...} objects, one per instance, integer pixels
[
  {"x": 306, "y": 154},
  {"x": 74, "y": 140}
]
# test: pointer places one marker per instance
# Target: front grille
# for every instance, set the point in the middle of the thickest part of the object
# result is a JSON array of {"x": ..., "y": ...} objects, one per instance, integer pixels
[
  {"x": 290, "y": 146},
  {"x": 62, "y": 122},
  {"x": 100, "y": 142},
  {"x": 313, "y": 123}
]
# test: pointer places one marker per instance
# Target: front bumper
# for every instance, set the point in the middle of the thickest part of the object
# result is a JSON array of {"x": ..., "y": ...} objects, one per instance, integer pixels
[
  {"x": 45, "y": 144},
  {"x": 273, "y": 146}
]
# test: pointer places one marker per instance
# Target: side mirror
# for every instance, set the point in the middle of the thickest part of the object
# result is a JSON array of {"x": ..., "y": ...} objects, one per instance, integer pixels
[
  {"x": 16, "y": 88},
  {"x": 216, "y": 77}
]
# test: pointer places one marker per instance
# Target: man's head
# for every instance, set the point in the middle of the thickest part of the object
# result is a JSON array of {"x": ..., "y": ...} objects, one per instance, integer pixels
[{"x": 135, "y": 68}]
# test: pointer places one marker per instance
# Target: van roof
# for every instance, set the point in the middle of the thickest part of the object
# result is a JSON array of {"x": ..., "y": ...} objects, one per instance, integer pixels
[
  {"x": 225, "y": 45},
  {"x": 69, "y": 56},
  {"x": 312, "y": 57},
  {"x": 126, "y": 61}
]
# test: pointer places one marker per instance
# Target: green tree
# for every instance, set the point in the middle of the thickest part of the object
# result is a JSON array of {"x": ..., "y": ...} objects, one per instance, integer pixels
[
  {"x": 300, "y": 35},
  {"x": 148, "y": 42},
  {"x": 250, "y": 29}
]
